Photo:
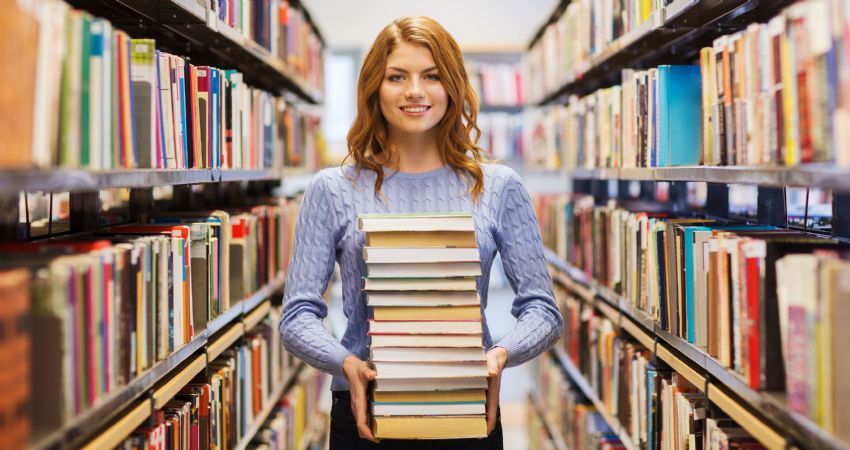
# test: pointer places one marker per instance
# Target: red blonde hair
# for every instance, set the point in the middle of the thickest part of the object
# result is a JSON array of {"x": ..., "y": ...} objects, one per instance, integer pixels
[{"x": 367, "y": 137}]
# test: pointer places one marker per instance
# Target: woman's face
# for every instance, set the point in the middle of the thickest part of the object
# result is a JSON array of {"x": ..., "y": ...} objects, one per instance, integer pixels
[{"x": 412, "y": 96}]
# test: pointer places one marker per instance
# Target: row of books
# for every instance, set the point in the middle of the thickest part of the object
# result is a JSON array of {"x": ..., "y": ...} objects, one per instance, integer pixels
[
  {"x": 654, "y": 406},
  {"x": 542, "y": 138},
  {"x": 585, "y": 30},
  {"x": 280, "y": 26},
  {"x": 497, "y": 84},
  {"x": 771, "y": 94},
  {"x": 426, "y": 331},
  {"x": 107, "y": 308},
  {"x": 15, "y": 366},
  {"x": 289, "y": 423},
  {"x": 502, "y": 135},
  {"x": 750, "y": 296},
  {"x": 217, "y": 408},
  {"x": 116, "y": 102},
  {"x": 303, "y": 143}
]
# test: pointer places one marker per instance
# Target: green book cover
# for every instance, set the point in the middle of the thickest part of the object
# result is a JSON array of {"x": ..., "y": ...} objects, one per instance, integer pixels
[{"x": 85, "y": 95}]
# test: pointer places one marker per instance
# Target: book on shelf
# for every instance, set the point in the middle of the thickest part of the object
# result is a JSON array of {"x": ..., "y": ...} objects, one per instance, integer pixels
[
  {"x": 92, "y": 97},
  {"x": 761, "y": 301},
  {"x": 425, "y": 327},
  {"x": 15, "y": 347},
  {"x": 108, "y": 308},
  {"x": 216, "y": 410}
]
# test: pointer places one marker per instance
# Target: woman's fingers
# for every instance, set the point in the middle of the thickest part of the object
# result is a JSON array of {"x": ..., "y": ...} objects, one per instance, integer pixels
[
  {"x": 493, "y": 387},
  {"x": 358, "y": 406}
]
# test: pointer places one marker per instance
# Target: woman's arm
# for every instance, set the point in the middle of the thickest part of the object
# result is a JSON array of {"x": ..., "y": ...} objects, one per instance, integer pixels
[
  {"x": 316, "y": 235},
  {"x": 539, "y": 322}
]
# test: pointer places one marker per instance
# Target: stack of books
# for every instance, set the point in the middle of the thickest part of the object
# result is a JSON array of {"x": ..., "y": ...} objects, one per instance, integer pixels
[{"x": 426, "y": 326}]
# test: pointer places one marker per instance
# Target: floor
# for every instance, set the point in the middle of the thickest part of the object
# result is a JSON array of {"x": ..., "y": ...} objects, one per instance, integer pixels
[{"x": 516, "y": 381}]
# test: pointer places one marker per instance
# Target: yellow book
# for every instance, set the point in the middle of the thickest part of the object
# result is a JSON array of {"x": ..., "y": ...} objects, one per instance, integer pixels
[
  {"x": 789, "y": 102},
  {"x": 472, "y": 312},
  {"x": 466, "y": 395},
  {"x": 706, "y": 57},
  {"x": 438, "y": 427},
  {"x": 421, "y": 239}
]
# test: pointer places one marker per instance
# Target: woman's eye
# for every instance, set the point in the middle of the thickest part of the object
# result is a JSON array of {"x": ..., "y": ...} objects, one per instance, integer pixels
[
  {"x": 395, "y": 77},
  {"x": 432, "y": 77}
]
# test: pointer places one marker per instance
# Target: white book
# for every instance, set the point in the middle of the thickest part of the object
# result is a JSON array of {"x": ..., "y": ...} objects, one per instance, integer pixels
[
  {"x": 422, "y": 298},
  {"x": 426, "y": 354},
  {"x": 420, "y": 284},
  {"x": 236, "y": 118},
  {"x": 426, "y": 340},
  {"x": 425, "y": 409},
  {"x": 51, "y": 17},
  {"x": 96, "y": 113},
  {"x": 429, "y": 384},
  {"x": 417, "y": 222},
  {"x": 424, "y": 270},
  {"x": 167, "y": 110},
  {"x": 419, "y": 255},
  {"x": 425, "y": 327}
]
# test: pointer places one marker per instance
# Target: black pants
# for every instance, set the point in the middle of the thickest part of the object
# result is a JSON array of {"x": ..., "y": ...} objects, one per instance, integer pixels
[{"x": 344, "y": 434}]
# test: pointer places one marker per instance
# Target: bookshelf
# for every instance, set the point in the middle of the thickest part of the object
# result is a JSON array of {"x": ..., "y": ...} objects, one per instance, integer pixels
[
  {"x": 673, "y": 33},
  {"x": 763, "y": 414},
  {"x": 193, "y": 29},
  {"x": 170, "y": 372}
]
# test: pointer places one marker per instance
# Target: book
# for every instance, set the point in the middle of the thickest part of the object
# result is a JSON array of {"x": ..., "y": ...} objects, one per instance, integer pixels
[
  {"x": 424, "y": 270},
  {"x": 472, "y": 312},
  {"x": 427, "y": 409},
  {"x": 412, "y": 397},
  {"x": 403, "y": 370},
  {"x": 429, "y": 384},
  {"x": 679, "y": 115},
  {"x": 460, "y": 221},
  {"x": 422, "y": 298},
  {"x": 426, "y": 354},
  {"x": 392, "y": 255},
  {"x": 424, "y": 327},
  {"x": 425, "y": 340},
  {"x": 420, "y": 239},
  {"x": 442, "y": 427},
  {"x": 420, "y": 284}
]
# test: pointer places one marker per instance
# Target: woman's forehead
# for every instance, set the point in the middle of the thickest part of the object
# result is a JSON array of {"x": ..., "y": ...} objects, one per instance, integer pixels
[{"x": 411, "y": 58}]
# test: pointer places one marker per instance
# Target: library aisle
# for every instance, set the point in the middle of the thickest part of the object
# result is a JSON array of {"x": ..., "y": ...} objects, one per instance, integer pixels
[{"x": 687, "y": 162}]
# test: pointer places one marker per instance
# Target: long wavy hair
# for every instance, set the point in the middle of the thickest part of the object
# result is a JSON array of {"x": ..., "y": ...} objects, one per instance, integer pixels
[{"x": 367, "y": 139}]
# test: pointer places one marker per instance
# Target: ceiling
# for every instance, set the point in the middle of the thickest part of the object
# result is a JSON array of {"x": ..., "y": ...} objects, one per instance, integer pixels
[{"x": 477, "y": 25}]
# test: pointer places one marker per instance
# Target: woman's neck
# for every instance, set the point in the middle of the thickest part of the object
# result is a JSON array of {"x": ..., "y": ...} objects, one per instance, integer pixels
[{"x": 415, "y": 153}]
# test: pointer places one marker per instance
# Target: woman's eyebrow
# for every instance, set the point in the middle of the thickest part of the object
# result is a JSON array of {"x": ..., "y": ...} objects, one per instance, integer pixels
[{"x": 399, "y": 69}]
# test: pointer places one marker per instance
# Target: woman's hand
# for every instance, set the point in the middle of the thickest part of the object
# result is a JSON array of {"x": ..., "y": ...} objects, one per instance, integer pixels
[
  {"x": 359, "y": 374},
  {"x": 497, "y": 357}
]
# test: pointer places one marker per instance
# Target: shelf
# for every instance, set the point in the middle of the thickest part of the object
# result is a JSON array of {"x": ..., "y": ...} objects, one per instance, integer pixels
[
  {"x": 189, "y": 29},
  {"x": 258, "y": 314},
  {"x": 74, "y": 433},
  {"x": 270, "y": 403},
  {"x": 227, "y": 339},
  {"x": 808, "y": 175},
  {"x": 674, "y": 34},
  {"x": 578, "y": 380},
  {"x": 764, "y": 410},
  {"x": 166, "y": 392},
  {"x": 551, "y": 429},
  {"x": 74, "y": 180},
  {"x": 114, "y": 435}
]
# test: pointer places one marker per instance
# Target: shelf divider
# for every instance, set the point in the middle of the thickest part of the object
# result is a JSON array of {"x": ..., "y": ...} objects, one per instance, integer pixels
[
  {"x": 115, "y": 434},
  {"x": 171, "y": 387}
]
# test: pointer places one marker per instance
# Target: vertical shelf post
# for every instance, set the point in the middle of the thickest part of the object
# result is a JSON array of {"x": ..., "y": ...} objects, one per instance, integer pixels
[
  {"x": 141, "y": 202},
  {"x": 841, "y": 215},
  {"x": 9, "y": 212},
  {"x": 85, "y": 211},
  {"x": 679, "y": 196},
  {"x": 771, "y": 206},
  {"x": 717, "y": 200}
]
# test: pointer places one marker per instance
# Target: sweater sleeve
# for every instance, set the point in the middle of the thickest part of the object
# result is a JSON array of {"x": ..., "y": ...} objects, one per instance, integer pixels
[
  {"x": 313, "y": 256},
  {"x": 539, "y": 322}
]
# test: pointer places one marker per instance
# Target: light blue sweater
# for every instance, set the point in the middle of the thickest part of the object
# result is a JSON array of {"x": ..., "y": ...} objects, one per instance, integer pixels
[{"x": 326, "y": 233}]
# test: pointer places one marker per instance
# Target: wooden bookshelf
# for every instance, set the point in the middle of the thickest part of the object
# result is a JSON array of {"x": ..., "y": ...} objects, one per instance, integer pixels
[
  {"x": 578, "y": 380},
  {"x": 88, "y": 427},
  {"x": 763, "y": 414},
  {"x": 270, "y": 404}
]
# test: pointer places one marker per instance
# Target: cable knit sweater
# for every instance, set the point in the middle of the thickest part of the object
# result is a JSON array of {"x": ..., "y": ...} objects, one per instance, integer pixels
[{"x": 327, "y": 233}]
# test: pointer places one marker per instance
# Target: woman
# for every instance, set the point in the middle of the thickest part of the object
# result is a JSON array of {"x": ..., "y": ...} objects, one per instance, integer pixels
[{"x": 412, "y": 151}]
